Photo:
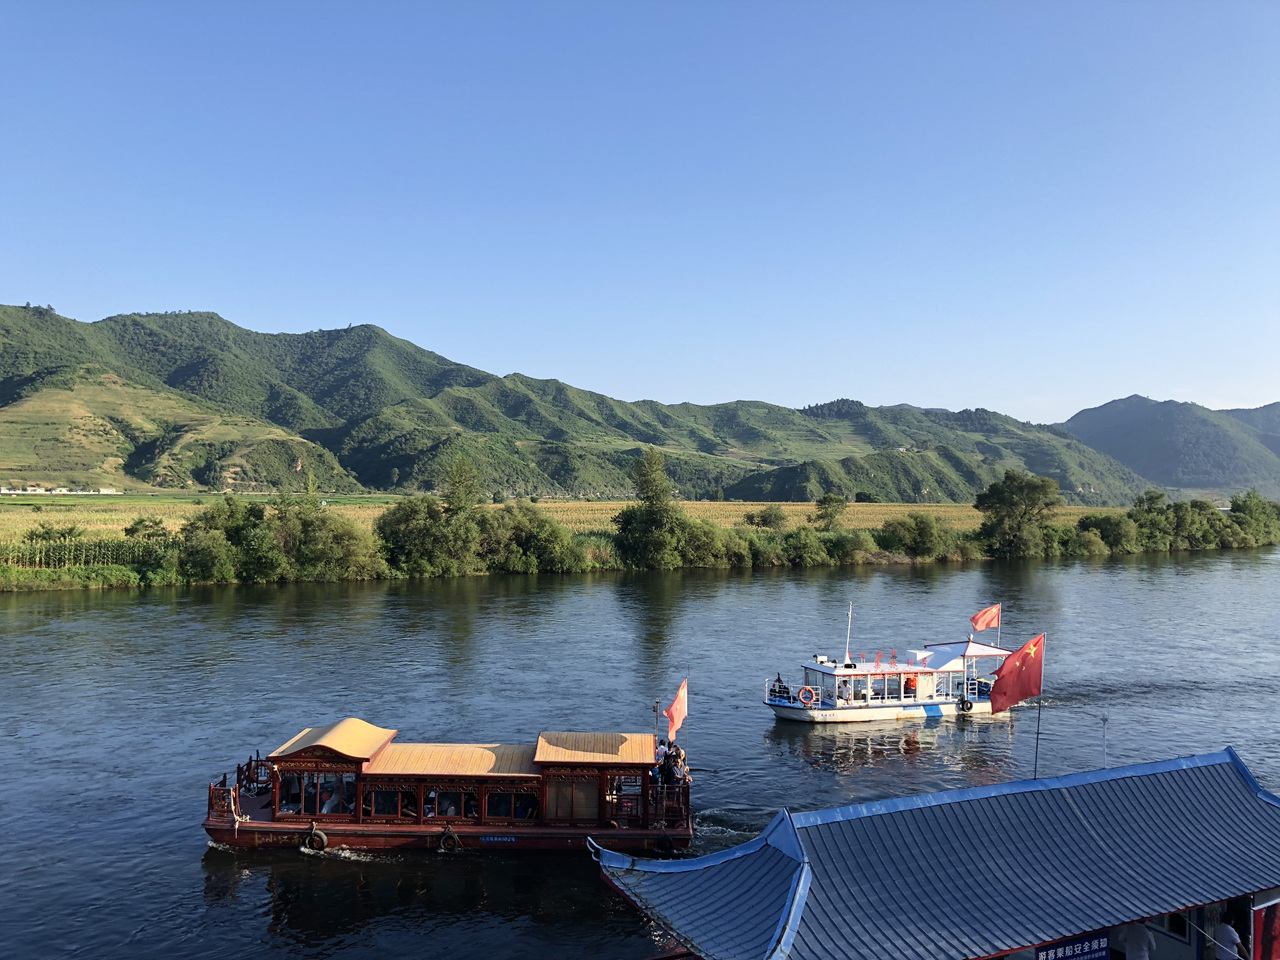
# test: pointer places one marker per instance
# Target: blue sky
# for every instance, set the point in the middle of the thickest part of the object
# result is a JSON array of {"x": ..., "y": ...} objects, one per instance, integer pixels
[{"x": 1030, "y": 207}]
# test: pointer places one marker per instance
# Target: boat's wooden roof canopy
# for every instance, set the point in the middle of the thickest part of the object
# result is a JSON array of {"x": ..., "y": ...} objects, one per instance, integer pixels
[
  {"x": 453, "y": 760},
  {"x": 363, "y": 742},
  {"x": 596, "y": 748},
  {"x": 351, "y": 738}
]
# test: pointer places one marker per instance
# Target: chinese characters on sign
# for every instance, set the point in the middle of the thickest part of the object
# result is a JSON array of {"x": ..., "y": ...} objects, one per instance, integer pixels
[{"x": 1092, "y": 946}]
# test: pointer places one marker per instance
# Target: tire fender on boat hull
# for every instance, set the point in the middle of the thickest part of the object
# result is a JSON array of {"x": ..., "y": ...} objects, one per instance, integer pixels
[{"x": 316, "y": 840}]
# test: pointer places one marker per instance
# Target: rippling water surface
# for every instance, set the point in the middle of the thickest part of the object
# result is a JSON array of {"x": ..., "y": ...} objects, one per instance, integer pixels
[{"x": 119, "y": 707}]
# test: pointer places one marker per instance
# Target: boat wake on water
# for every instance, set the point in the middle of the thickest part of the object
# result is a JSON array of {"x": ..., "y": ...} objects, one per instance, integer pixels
[{"x": 346, "y": 853}]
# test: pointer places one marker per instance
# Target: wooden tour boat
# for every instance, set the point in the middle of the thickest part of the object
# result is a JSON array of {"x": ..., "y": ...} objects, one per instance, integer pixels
[{"x": 348, "y": 785}]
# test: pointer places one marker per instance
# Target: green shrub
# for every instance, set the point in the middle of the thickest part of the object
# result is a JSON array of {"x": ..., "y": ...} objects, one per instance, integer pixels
[{"x": 803, "y": 548}]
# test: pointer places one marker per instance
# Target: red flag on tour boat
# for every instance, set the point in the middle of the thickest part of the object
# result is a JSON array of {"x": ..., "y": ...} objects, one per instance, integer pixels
[
  {"x": 1019, "y": 676},
  {"x": 986, "y": 619},
  {"x": 678, "y": 710}
]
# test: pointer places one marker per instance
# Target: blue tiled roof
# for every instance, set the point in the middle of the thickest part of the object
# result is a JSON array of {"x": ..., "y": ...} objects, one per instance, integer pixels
[{"x": 972, "y": 873}]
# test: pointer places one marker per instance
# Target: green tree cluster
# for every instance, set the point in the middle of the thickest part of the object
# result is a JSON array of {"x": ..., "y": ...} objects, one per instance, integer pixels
[
  {"x": 1018, "y": 522},
  {"x": 424, "y": 537},
  {"x": 772, "y": 517},
  {"x": 655, "y": 533},
  {"x": 290, "y": 538},
  {"x": 1015, "y": 513}
]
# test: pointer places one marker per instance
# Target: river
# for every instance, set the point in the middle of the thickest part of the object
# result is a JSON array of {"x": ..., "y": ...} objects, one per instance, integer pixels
[{"x": 119, "y": 707}]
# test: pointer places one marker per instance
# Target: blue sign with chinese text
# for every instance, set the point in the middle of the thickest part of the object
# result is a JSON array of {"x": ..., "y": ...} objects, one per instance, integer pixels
[{"x": 1092, "y": 946}]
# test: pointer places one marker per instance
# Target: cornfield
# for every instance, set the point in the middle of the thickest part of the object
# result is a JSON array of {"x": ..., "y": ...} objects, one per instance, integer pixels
[
  {"x": 60, "y": 554},
  {"x": 106, "y": 517},
  {"x": 581, "y": 517}
]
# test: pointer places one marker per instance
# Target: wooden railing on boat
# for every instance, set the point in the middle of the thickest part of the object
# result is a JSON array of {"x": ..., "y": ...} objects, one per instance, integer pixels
[
  {"x": 224, "y": 801},
  {"x": 669, "y": 805},
  {"x": 255, "y": 775}
]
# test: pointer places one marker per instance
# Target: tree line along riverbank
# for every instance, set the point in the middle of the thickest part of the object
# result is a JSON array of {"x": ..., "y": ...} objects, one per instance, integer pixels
[{"x": 299, "y": 537}]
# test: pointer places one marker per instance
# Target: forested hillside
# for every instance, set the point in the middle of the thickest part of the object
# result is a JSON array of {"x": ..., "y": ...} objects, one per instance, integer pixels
[
  {"x": 211, "y": 405},
  {"x": 1187, "y": 447}
]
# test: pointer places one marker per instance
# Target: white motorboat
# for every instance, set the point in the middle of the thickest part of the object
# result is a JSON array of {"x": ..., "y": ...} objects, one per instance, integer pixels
[{"x": 939, "y": 680}]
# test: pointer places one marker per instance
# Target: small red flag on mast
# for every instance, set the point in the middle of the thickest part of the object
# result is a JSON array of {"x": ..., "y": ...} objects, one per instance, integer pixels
[
  {"x": 678, "y": 710},
  {"x": 1020, "y": 676},
  {"x": 986, "y": 619}
]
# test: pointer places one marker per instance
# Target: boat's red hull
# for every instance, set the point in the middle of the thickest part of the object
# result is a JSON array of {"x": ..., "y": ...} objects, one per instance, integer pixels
[{"x": 259, "y": 834}]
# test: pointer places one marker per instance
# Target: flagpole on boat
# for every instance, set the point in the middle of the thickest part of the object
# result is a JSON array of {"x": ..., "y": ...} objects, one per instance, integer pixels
[
  {"x": 1044, "y": 640},
  {"x": 848, "y": 636},
  {"x": 999, "y": 623}
]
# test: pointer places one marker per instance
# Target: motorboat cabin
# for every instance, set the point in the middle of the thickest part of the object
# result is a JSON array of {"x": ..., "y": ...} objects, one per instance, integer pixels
[
  {"x": 349, "y": 785},
  {"x": 940, "y": 680}
]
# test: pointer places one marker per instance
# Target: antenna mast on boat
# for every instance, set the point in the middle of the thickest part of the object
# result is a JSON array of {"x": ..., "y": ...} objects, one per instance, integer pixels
[{"x": 848, "y": 636}]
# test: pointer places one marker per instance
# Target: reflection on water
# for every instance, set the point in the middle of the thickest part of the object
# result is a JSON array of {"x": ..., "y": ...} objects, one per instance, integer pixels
[
  {"x": 925, "y": 751},
  {"x": 120, "y": 706},
  {"x": 311, "y": 900}
]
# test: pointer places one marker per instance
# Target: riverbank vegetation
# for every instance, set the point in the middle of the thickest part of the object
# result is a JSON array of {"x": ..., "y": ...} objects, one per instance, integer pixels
[{"x": 295, "y": 537}]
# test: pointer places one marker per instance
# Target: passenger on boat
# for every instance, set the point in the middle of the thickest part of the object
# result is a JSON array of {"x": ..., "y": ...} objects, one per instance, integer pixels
[
  {"x": 429, "y": 805},
  {"x": 845, "y": 691},
  {"x": 675, "y": 768},
  {"x": 662, "y": 750},
  {"x": 910, "y": 686},
  {"x": 330, "y": 802}
]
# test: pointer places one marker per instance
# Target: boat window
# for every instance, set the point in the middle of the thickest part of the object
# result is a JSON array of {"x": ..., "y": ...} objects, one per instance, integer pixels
[
  {"x": 500, "y": 805},
  {"x": 573, "y": 800},
  {"x": 455, "y": 803},
  {"x": 337, "y": 793},
  {"x": 623, "y": 796},
  {"x": 512, "y": 806},
  {"x": 311, "y": 793},
  {"x": 388, "y": 800},
  {"x": 290, "y": 794},
  {"x": 624, "y": 786}
]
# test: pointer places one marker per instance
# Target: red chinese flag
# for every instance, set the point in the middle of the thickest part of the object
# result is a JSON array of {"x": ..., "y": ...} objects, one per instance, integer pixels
[
  {"x": 678, "y": 710},
  {"x": 1019, "y": 676},
  {"x": 987, "y": 619}
]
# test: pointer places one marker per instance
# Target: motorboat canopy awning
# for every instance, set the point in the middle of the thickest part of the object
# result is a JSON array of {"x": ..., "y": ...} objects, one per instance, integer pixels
[
  {"x": 971, "y": 873},
  {"x": 950, "y": 657},
  {"x": 865, "y": 668}
]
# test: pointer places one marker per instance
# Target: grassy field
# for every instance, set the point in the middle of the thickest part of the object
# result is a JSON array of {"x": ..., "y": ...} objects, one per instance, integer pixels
[{"x": 107, "y": 516}]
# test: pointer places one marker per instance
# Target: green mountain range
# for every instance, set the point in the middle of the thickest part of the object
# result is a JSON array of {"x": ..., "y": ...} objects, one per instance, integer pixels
[
  {"x": 1188, "y": 448},
  {"x": 191, "y": 401}
]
